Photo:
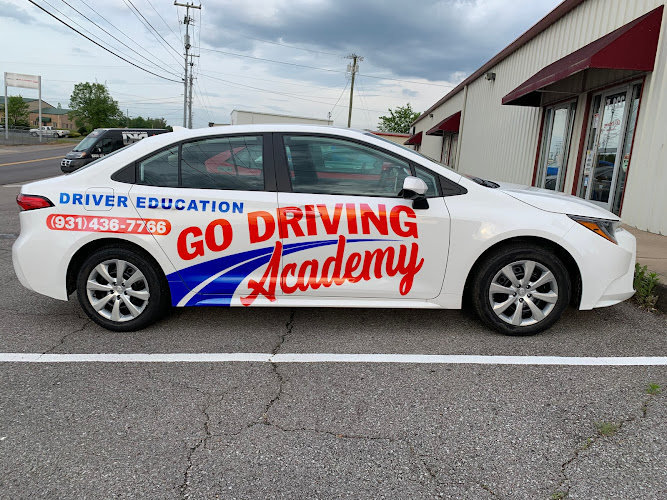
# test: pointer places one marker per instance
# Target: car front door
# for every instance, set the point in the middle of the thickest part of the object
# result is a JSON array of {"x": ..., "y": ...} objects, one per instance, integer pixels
[
  {"x": 344, "y": 229},
  {"x": 208, "y": 190}
]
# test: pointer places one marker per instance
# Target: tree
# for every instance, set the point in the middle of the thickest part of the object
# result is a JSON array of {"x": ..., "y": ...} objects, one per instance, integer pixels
[
  {"x": 398, "y": 121},
  {"x": 149, "y": 122},
  {"x": 18, "y": 110},
  {"x": 92, "y": 106}
]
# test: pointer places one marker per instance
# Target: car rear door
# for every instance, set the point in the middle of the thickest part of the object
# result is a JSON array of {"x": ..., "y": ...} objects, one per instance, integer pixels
[
  {"x": 208, "y": 203},
  {"x": 346, "y": 232}
]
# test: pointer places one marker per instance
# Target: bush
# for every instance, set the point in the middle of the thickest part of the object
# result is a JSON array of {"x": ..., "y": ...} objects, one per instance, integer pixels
[
  {"x": 74, "y": 134},
  {"x": 644, "y": 284}
]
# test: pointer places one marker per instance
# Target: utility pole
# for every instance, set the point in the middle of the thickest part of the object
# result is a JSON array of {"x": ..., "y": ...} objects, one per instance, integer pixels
[
  {"x": 186, "y": 41},
  {"x": 192, "y": 77},
  {"x": 353, "y": 67}
]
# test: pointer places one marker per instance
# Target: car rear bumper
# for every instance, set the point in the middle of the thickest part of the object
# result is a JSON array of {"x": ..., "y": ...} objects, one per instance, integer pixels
[{"x": 39, "y": 258}]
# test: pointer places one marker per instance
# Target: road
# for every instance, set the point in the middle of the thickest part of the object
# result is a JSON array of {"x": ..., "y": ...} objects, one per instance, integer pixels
[
  {"x": 186, "y": 427},
  {"x": 27, "y": 163}
]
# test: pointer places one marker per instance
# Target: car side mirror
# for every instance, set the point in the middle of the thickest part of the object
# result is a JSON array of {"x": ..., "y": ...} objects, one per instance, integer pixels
[{"x": 415, "y": 189}]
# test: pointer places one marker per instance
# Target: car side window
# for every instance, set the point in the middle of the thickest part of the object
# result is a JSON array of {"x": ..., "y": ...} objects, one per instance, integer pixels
[
  {"x": 160, "y": 169},
  {"x": 106, "y": 145},
  {"x": 431, "y": 181},
  {"x": 336, "y": 166},
  {"x": 223, "y": 163}
]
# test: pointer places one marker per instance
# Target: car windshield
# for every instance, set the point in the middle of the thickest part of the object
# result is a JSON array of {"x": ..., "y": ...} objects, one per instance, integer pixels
[{"x": 87, "y": 143}]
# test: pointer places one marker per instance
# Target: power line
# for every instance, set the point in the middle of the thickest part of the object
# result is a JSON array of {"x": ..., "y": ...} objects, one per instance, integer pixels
[
  {"x": 277, "y": 93},
  {"x": 91, "y": 34},
  {"x": 320, "y": 69},
  {"x": 217, "y": 28},
  {"x": 149, "y": 27},
  {"x": 120, "y": 41},
  {"x": 99, "y": 45},
  {"x": 365, "y": 99},
  {"x": 341, "y": 95},
  {"x": 165, "y": 22},
  {"x": 271, "y": 60},
  {"x": 407, "y": 81}
]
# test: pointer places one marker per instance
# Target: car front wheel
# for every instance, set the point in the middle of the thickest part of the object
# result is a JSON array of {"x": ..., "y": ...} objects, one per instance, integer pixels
[
  {"x": 522, "y": 290},
  {"x": 121, "y": 290}
]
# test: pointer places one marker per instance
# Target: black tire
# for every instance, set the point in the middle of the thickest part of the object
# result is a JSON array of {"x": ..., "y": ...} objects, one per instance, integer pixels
[
  {"x": 152, "y": 282},
  {"x": 490, "y": 271},
  {"x": 34, "y": 134}
]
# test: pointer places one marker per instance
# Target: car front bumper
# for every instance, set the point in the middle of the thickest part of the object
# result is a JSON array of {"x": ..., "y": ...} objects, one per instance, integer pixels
[
  {"x": 606, "y": 269},
  {"x": 68, "y": 166}
]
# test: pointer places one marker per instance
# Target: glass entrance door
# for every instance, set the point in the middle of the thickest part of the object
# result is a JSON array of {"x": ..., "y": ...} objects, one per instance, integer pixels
[{"x": 611, "y": 131}]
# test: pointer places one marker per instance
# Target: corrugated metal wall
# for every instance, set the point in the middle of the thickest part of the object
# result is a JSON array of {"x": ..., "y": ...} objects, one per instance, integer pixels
[
  {"x": 500, "y": 142},
  {"x": 432, "y": 145}
]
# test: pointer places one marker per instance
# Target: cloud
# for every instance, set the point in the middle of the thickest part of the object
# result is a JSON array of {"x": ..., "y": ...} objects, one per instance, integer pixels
[
  {"x": 11, "y": 11},
  {"x": 432, "y": 39}
]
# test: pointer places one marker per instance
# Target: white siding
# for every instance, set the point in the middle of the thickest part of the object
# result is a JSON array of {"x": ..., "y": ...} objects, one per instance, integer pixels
[
  {"x": 432, "y": 144},
  {"x": 239, "y": 117},
  {"x": 500, "y": 142}
]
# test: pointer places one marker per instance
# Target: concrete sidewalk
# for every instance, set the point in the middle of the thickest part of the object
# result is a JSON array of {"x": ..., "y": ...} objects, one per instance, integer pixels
[{"x": 652, "y": 253}]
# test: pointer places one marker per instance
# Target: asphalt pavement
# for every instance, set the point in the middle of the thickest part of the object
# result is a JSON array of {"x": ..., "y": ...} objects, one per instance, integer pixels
[
  {"x": 29, "y": 163},
  {"x": 324, "y": 429}
]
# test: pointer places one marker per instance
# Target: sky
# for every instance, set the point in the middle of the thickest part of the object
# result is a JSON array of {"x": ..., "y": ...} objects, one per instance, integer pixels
[{"x": 273, "y": 56}]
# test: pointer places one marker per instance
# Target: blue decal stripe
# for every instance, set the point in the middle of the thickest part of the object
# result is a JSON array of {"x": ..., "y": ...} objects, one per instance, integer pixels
[{"x": 226, "y": 284}]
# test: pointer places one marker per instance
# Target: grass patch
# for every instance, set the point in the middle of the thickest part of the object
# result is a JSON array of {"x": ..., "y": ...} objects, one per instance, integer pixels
[
  {"x": 653, "y": 389},
  {"x": 645, "y": 283},
  {"x": 587, "y": 444},
  {"x": 559, "y": 495},
  {"x": 607, "y": 429}
]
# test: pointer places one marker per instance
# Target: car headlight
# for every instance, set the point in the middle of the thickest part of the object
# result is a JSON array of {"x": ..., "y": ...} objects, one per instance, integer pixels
[{"x": 603, "y": 227}]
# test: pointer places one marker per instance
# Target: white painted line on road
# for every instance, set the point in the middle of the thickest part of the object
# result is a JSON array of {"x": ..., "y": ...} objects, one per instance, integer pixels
[
  {"x": 254, "y": 357},
  {"x": 21, "y": 184}
]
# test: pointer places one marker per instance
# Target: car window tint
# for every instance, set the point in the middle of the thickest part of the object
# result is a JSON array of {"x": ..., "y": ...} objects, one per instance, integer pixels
[
  {"x": 160, "y": 169},
  {"x": 223, "y": 163},
  {"x": 431, "y": 181},
  {"x": 335, "y": 166}
]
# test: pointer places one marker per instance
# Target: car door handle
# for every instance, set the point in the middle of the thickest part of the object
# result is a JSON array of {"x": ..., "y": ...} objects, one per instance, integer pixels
[
  {"x": 306, "y": 211},
  {"x": 312, "y": 213}
]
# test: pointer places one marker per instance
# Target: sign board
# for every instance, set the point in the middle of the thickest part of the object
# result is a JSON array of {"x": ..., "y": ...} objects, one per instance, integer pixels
[
  {"x": 588, "y": 166},
  {"x": 19, "y": 80}
]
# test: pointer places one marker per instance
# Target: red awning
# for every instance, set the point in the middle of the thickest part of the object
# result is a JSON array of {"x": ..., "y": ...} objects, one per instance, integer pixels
[
  {"x": 414, "y": 140},
  {"x": 630, "y": 48},
  {"x": 449, "y": 124}
]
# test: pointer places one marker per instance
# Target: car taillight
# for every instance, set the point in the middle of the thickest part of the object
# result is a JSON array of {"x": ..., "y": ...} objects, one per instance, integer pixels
[{"x": 32, "y": 201}]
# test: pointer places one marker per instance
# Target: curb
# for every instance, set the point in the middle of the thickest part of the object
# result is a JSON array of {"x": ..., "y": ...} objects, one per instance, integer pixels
[{"x": 661, "y": 292}]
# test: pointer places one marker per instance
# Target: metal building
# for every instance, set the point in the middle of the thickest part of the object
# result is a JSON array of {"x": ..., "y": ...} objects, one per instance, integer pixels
[{"x": 572, "y": 105}]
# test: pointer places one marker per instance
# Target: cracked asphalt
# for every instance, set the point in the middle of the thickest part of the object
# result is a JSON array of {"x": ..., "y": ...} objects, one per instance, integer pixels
[{"x": 325, "y": 430}]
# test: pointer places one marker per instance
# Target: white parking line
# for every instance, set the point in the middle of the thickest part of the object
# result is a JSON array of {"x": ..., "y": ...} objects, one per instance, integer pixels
[
  {"x": 21, "y": 184},
  {"x": 253, "y": 357}
]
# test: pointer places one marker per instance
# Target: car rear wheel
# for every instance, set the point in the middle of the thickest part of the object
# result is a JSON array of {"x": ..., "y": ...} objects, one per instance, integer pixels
[
  {"x": 121, "y": 290},
  {"x": 522, "y": 290}
]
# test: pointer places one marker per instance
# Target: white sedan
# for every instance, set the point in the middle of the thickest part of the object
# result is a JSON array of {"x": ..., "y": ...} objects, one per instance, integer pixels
[{"x": 298, "y": 216}]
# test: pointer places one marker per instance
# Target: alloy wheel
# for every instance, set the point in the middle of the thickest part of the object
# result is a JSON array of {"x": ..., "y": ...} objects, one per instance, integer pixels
[
  {"x": 523, "y": 293},
  {"x": 117, "y": 290}
]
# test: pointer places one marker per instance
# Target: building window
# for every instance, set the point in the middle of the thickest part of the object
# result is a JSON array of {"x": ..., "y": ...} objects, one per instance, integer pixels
[{"x": 555, "y": 146}]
